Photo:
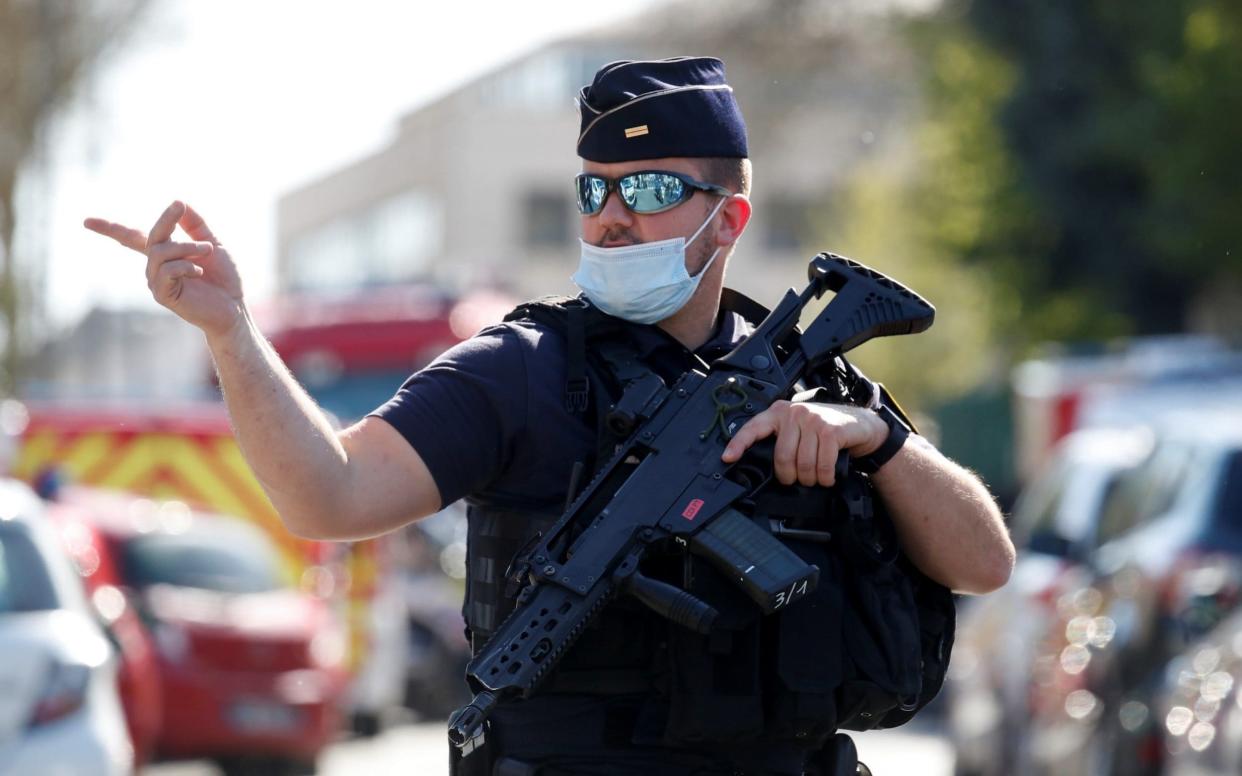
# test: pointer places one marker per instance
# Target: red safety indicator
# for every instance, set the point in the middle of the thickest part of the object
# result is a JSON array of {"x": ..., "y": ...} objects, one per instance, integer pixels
[{"x": 692, "y": 508}]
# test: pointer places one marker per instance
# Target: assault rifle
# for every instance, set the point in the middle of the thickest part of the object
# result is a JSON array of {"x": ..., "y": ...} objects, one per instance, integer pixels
[{"x": 667, "y": 482}]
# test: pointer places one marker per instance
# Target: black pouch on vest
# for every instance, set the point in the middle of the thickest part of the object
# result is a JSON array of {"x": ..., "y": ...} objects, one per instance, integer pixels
[
  {"x": 714, "y": 681},
  {"x": 809, "y": 654},
  {"x": 937, "y": 626},
  {"x": 881, "y": 625}
]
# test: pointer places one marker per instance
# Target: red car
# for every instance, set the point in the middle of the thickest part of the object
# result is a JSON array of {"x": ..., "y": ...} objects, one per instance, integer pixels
[{"x": 251, "y": 670}]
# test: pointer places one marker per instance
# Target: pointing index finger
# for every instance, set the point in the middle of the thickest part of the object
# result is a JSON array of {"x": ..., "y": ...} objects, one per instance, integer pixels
[{"x": 130, "y": 238}]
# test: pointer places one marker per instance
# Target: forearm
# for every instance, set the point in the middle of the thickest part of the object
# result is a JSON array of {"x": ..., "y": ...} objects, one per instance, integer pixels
[
  {"x": 948, "y": 522},
  {"x": 360, "y": 482},
  {"x": 287, "y": 440}
]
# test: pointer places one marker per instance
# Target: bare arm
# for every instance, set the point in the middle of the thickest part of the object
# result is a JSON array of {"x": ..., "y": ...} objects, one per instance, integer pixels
[
  {"x": 325, "y": 484},
  {"x": 947, "y": 521}
]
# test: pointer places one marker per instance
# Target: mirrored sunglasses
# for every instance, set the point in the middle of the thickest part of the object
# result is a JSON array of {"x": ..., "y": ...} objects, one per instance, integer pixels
[{"x": 645, "y": 192}]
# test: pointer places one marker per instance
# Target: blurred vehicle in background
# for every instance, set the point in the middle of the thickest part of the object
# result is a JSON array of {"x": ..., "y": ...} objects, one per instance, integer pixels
[
  {"x": 251, "y": 670},
  {"x": 1199, "y": 707},
  {"x": 187, "y": 453},
  {"x": 1121, "y": 383},
  {"x": 138, "y": 675},
  {"x": 1168, "y": 569},
  {"x": 352, "y": 351},
  {"x": 431, "y": 578},
  {"x": 1054, "y": 525},
  {"x": 59, "y": 709},
  {"x": 419, "y": 650}
]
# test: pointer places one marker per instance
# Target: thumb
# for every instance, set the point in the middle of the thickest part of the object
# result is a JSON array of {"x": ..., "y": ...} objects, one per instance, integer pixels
[{"x": 196, "y": 227}]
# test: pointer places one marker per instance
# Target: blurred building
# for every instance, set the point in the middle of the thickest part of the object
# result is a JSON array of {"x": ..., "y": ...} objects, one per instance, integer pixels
[
  {"x": 121, "y": 354},
  {"x": 475, "y": 188}
]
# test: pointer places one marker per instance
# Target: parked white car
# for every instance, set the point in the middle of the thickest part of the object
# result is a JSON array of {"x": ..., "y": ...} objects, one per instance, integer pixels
[
  {"x": 59, "y": 708},
  {"x": 1055, "y": 525}
]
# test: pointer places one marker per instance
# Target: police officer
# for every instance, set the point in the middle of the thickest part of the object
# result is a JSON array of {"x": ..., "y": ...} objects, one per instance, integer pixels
[{"x": 664, "y": 198}]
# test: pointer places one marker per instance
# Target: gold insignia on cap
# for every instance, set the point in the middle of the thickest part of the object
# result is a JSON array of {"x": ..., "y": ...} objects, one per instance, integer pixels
[{"x": 638, "y": 131}]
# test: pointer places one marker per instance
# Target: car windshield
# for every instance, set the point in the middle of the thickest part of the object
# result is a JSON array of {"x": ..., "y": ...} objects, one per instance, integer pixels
[
  {"x": 25, "y": 585},
  {"x": 1038, "y": 510},
  {"x": 230, "y": 561},
  {"x": 1147, "y": 492}
]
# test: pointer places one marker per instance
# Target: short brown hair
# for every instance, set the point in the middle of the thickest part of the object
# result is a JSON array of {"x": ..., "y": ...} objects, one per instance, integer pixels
[{"x": 732, "y": 173}]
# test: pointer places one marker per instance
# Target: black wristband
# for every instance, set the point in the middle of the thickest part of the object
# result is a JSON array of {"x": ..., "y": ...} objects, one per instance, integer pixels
[{"x": 898, "y": 432}]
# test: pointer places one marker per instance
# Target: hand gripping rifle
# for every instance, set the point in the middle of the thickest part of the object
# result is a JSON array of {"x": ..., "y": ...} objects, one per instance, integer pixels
[{"x": 680, "y": 489}]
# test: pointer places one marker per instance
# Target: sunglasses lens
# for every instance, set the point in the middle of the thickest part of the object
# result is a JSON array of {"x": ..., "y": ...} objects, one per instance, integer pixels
[
  {"x": 651, "y": 192},
  {"x": 592, "y": 191},
  {"x": 642, "y": 192}
]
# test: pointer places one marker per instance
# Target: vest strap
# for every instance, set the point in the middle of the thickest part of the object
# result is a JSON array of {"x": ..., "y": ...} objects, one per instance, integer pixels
[{"x": 577, "y": 386}]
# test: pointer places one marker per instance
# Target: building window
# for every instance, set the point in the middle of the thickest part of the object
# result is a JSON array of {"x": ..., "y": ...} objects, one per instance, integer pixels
[
  {"x": 546, "y": 219},
  {"x": 544, "y": 81},
  {"x": 403, "y": 234},
  {"x": 324, "y": 259},
  {"x": 390, "y": 242}
]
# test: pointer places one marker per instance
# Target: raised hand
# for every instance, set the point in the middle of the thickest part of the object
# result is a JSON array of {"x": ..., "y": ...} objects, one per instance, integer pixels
[{"x": 196, "y": 280}]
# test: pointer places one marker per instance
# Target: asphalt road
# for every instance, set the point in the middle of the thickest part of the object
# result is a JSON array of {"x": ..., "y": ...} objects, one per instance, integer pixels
[{"x": 420, "y": 750}]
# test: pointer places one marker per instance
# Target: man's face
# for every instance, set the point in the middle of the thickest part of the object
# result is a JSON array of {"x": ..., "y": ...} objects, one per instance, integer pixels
[{"x": 615, "y": 225}]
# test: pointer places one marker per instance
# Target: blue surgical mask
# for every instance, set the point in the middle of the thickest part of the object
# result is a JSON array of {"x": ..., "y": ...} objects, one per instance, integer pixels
[{"x": 642, "y": 283}]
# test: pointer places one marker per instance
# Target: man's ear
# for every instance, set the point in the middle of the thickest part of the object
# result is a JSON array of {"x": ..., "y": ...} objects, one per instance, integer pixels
[{"x": 734, "y": 217}]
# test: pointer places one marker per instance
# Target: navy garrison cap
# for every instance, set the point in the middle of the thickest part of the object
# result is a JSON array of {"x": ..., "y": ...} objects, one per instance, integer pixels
[{"x": 649, "y": 109}]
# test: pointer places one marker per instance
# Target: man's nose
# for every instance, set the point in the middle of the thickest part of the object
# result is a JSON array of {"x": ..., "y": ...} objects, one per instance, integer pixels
[{"x": 614, "y": 213}]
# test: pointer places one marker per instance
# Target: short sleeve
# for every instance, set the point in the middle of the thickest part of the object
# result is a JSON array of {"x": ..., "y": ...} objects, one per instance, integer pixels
[{"x": 462, "y": 412}]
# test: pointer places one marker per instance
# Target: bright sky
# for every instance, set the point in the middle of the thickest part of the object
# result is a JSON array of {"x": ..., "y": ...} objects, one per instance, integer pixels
[{"x": 227, "y": 104}]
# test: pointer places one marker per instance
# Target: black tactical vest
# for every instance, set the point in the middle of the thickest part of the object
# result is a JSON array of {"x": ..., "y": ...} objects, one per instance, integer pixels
[{"x": 866, "y": 650}]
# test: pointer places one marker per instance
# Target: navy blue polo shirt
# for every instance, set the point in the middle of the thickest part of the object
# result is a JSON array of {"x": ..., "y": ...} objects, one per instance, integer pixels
[{"x": 488, "y": 416}]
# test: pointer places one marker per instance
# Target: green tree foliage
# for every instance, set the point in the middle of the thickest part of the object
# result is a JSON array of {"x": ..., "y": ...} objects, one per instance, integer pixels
[
  {"x": 950, "y": 358},
  {"x": 1120, "y": 122},
  {"x": 1075, "y": 173},
  {"x": 925, "y": 212}
]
